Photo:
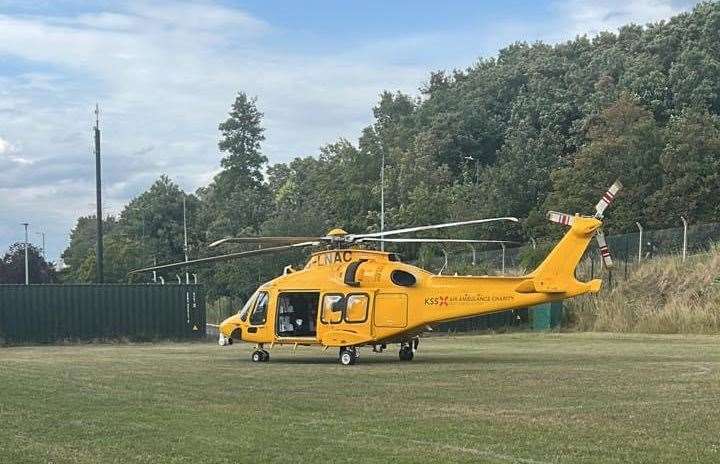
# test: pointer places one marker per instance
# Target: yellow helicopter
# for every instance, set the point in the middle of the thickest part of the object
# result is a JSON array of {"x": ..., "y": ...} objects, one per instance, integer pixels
[{"x": 347, "y": 297}]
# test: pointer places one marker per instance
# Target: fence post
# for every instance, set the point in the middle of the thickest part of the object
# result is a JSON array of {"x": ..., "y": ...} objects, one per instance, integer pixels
[
  {"x": 640, "y": 239},
  {"x": 685, "y": 225},
  {"x": 503, "y": 257},
  {"x": 627, "y": 253}
]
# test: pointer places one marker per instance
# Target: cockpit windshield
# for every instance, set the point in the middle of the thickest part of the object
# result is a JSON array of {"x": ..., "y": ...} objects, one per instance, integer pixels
[{"x": 248, "y": 304}]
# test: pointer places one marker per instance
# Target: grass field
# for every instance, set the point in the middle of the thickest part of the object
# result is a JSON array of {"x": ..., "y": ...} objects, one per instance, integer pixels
[{"x": 508, "y": 398}]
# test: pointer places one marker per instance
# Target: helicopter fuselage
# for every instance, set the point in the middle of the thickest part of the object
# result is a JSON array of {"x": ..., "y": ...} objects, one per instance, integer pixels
[{"x": 355, "y": 297}]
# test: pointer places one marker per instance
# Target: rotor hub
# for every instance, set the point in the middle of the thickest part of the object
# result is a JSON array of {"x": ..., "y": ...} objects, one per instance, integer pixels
[{"x": 337, "y": 233}]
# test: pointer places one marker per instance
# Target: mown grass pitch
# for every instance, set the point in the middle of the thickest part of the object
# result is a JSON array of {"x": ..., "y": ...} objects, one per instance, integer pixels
[{"x": 506, "y": 398}]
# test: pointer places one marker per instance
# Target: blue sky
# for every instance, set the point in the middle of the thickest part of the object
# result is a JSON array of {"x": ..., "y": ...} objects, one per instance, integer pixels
[{"x": 166, "y": 71}]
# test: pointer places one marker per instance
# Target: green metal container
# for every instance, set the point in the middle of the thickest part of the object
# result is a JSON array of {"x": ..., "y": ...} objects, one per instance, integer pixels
[
  {"x": 49, "y": 313},
  {"x": 546, "y": 316}
]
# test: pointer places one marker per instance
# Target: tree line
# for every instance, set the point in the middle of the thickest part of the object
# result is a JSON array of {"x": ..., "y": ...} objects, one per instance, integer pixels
[{"x": 536, "y": 127}]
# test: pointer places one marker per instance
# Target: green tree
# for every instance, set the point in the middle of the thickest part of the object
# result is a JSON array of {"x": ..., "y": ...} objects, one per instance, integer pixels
[
  {"x": 690, "y": 170},
  {"x": 83, "y": 240},
  {"x": 624, "y": 142},
  {"x": 154, "y": 219},
  {"x": 12, "y": 266}
]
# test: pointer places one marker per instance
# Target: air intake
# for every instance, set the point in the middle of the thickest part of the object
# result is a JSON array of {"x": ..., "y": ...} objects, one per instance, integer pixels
[{"x": 402, "y": 278}]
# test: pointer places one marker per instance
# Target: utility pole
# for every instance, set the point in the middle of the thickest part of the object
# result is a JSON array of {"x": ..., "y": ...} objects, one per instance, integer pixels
[
  {"x": 98, "y": 196},
  {"x": 185, "y": 238},
  {"x": 27, "y": 263},
  {"x": 382, "y": 202},
  {"x": 187, "y": 273}
]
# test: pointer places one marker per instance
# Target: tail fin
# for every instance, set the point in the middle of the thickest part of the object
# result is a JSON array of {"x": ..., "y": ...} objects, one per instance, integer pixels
[{"x": 556, "y": 274}]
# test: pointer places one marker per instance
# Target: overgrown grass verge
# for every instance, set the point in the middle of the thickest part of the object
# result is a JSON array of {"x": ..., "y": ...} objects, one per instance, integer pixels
[{"x": 665, "y": 295}]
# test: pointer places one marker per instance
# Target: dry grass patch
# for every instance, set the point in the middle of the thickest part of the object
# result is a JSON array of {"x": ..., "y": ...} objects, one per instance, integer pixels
[{"x": 665, "y": 296}]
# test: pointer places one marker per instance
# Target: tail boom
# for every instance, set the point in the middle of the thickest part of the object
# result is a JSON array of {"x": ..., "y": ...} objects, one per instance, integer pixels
[{"x": 556, "y": 274}]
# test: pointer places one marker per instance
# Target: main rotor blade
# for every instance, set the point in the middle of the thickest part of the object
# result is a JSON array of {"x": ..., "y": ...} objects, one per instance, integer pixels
[
  {"x": 274, "y": 240},
  {"x": 431, "y": 240},
  {"x": 436, "y": 226},
  {"x": 226, "y": 257}
]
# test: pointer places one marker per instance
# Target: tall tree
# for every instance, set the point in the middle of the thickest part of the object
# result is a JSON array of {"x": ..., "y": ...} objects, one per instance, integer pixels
[
  {"x": 690, "y": 170},
  {"x": 238, "y": 200},
  {"x": 624, "y": 142}
]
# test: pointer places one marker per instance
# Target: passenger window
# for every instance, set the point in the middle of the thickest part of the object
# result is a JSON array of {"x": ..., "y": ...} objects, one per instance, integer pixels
[
  {"x": 357, "y": 308},
  {"x": 259, "y": 315},
  {"x": 327, "y": 315}
]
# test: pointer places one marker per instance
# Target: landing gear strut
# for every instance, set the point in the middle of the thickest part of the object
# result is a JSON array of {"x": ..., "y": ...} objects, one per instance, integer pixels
[
  {"x": 260, "y": 355},
  {"x": 408, "y": 349},
  {"x": 348, "y": 356}
]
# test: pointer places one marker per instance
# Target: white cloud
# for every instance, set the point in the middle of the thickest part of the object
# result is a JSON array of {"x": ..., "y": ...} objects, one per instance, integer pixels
[
  {"x": 165, "y": 73},
  {"x": 4, "y": 146},
  {"x": 591, "y": 16},
  {"x": 8, "y": 152}
]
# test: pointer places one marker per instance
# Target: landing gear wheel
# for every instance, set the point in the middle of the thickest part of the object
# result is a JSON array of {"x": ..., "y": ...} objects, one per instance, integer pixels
[
  {"x": 406, "y": 353},
  {"x": 348, "y": 356},
  {"x": 257, "y": 356}
]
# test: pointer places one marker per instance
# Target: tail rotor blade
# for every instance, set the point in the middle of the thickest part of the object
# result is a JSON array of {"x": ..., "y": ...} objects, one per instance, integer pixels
[
  {"x": 607, "y": 199},
  {"x": 560, "y": 218},
  {"x": 604, "y": 250}
]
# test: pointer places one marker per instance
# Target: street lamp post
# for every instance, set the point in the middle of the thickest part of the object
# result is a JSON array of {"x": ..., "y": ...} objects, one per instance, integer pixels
[
  {"x": 382, "y": 202},
  {"x": 42, "y": 234},
  {"x": 27, "y": 263}
]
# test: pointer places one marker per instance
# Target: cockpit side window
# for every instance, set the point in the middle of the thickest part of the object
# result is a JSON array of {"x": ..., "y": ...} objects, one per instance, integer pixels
[
  {"x": 243, "y": 313},
  {"x": 259, "y": 314}
]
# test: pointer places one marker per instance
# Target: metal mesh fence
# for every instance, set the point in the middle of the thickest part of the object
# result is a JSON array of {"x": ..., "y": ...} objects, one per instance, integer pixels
[{"x": 626, "y": 250}]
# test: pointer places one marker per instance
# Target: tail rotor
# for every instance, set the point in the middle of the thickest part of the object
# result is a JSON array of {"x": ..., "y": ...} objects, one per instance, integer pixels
[
  {"x": 602, "y": 205},
  {"x": 607, "y": 199},
  {"x": 604, "y": 250}
]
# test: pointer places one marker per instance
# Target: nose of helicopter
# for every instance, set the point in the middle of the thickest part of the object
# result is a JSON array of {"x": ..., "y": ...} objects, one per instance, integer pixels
[{"x": 229, "y": 331}]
